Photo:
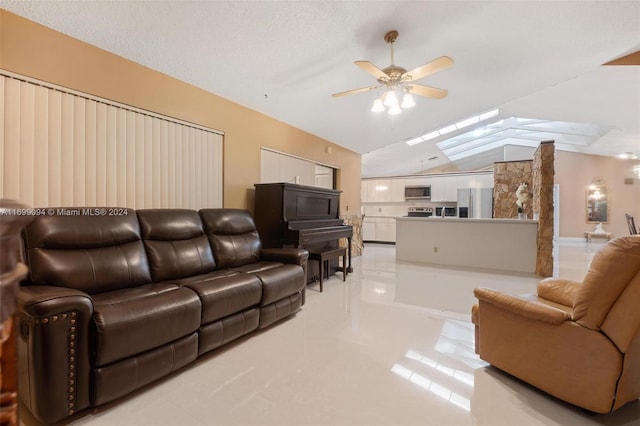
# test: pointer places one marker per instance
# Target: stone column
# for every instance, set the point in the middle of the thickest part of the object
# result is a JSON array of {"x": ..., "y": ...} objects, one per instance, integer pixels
[{"x": 543, "y": 179}]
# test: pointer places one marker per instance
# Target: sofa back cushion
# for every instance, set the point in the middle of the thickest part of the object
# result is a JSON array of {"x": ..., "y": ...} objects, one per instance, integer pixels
[
  {"x": 90, "y": 252},
  {"x": 612, "y": 270},
  {"x": 175, "y": 242},
  {"x": 233, "y": 236}
]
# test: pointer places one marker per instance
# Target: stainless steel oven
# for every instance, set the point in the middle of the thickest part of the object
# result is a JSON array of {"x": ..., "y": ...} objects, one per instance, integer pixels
[{"x": 420, "y": 212}]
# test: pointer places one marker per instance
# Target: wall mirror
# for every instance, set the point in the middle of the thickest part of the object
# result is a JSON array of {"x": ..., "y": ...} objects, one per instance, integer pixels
[{"x": 597, "y": 202}]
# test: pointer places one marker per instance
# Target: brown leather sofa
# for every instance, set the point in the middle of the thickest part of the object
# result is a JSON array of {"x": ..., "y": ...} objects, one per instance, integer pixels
[
  {"x": 579, "y": 342},
  {"x": 116, "y": 301}
]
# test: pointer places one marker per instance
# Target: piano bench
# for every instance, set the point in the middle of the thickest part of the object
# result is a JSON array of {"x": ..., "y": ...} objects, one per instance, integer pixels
[{"x": 324, "y": 255}]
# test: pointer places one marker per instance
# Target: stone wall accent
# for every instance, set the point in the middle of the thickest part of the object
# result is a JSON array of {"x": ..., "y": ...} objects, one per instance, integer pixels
[
  {"x": 507, "y": 176},
  {"x": 543, "y": 178},
  {"x": 354, "y": 220}
]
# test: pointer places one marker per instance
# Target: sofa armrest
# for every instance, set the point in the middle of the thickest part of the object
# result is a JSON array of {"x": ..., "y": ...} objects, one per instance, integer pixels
[
  {"x": 285, "y": 255},
  {"x": 54, "y": 350},
  {"x": 558, "y": 290},
  {"x": 520, "y": 306},
  {"x": 289, "y": 255}
]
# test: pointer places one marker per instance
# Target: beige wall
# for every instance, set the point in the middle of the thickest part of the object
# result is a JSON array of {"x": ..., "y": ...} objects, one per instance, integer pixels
[
  {"x": 36, "y": 51},
  {"x": 574, "y": 173}
]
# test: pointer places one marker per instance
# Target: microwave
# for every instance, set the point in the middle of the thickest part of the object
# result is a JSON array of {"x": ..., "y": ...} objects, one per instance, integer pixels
[
  {"x": 448, "y": 212},
  {"x": 417, "y": 192}
]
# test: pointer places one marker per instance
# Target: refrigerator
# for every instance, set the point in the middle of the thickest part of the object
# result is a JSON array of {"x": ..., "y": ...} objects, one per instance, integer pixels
[{"x": 475, "y": 202}]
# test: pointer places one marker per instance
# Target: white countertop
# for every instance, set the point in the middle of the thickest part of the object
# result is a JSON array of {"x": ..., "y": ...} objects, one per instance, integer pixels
[{"x": 461, "y": 219}]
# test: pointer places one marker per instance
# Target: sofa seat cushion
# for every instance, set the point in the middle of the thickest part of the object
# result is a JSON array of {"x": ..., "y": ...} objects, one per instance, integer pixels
[
  {"x": 131, "y": 321},
  {"x": 224, "y": 293},
  {"x": 256, "y": 267},
  {"x": 278, "y": 281}
]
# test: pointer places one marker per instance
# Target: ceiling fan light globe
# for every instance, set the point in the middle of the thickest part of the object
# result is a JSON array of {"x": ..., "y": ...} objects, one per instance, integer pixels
[
  {"x": 377, "y": 105},
  {"x": 390, "y": 99},
  {"x": 407, "y": 101},
  {"x": 394, "y": 110}
]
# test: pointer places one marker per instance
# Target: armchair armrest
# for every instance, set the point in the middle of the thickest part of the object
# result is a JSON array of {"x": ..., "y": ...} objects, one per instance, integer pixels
[
  {"x": 558, "y": 290},
  {"x": 54, "y": 350},
  {"x": 520, "y": 306},
  {"x": 286, "y": 255}
]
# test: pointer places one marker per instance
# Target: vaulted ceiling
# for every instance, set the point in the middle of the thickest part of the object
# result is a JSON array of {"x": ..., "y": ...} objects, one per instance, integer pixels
[{"x": 539, "y": 62}]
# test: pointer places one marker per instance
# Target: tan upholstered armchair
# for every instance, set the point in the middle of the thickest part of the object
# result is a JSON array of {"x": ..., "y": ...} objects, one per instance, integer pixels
[{"x": 579, "y": 342}]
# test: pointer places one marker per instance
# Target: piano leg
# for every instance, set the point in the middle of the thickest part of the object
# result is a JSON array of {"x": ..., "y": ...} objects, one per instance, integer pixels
[{"x": 349, "y": 269}]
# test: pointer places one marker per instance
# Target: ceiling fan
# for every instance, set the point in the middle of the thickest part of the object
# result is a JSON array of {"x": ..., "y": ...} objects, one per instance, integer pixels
[{"x": 394, "y": 81}]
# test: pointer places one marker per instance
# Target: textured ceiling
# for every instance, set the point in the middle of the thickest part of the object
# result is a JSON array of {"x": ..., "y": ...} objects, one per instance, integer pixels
[{"x": 538, "y": 60}]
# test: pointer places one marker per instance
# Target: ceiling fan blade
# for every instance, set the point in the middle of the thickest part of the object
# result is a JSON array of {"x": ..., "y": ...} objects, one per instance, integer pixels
[
  {"x": 371, "y": 69},
  {"x": 429, "y": 68},
  {"x": 429, "y": 92},
  {"x": 351, "y": 92}
]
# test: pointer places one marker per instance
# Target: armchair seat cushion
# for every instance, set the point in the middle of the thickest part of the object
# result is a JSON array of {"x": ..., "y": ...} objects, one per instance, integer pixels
[
  {"x": 224, "y": 293},
  {"x": 131, "y": 321}
]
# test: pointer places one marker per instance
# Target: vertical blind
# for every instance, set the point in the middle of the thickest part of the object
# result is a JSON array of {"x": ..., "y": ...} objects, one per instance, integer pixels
[{"x": 61, "y": 148}]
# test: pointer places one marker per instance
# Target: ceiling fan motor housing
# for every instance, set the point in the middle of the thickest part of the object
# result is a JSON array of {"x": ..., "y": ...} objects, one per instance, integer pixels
[{"x": 395, "y": 75}]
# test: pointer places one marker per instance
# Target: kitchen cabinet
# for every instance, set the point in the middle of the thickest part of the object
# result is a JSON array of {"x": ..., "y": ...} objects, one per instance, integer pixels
[
  {"x": 381, "y": 229},
  {"x": 397, "y": 190},
  {"x": 376, "y": 190},
  {"x": 444, "y": 189},
  {"x": 368, "y": 230},
  {"x": 386, "y": 230},
  {"x": 475, "y": 181}
]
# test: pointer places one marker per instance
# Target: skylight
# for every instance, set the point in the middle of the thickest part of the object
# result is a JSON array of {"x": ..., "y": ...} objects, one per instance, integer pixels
[
  {"x": 526, "y": 132},
  {"x": 453, "y": 127}
]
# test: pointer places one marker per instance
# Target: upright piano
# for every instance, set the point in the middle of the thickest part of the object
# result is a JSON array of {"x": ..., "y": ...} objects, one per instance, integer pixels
[{"x": 291, "y": 215}]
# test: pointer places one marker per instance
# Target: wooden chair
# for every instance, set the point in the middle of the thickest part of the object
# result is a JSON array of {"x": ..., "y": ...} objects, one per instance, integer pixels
[{"x": 631, "y": 224}]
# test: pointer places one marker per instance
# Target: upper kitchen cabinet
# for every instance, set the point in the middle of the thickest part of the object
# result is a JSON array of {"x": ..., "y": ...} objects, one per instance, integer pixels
[
  {"x": 444, "y": 189},
  {"x": 476, "y": 180},
  {"x": 376, "y": 191},
  {"x": 397, "y": 190}
]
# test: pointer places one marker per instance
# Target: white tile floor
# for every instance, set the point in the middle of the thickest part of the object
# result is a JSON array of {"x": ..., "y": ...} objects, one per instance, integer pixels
[{"x": 391, "y": 346}]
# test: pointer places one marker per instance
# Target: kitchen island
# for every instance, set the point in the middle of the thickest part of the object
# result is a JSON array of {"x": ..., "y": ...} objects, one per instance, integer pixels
[{"x": 497, "y": 244}]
